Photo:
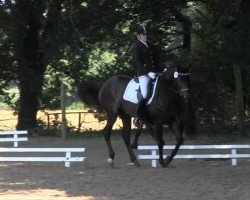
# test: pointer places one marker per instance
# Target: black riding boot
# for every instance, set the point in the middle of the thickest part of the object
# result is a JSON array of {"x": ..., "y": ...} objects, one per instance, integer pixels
[{"x": 141, "y": 113}]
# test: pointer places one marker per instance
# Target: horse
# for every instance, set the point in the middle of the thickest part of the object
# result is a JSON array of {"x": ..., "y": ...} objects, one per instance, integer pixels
[{"x": 170, "y": 105}]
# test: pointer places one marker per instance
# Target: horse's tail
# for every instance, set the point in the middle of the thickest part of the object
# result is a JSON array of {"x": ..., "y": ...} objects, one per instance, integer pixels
[{"x": 88, "y": 93}]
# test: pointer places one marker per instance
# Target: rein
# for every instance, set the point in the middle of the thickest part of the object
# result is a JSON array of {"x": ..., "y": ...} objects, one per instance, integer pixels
[{"x": 184, "y": 74}]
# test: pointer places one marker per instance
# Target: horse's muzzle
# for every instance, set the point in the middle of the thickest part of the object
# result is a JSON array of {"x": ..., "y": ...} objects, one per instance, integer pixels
[{"x": 185, "y": 94}]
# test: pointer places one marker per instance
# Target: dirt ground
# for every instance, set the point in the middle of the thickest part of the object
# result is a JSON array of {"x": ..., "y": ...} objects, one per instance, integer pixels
[{"x": 93, "y": 179}]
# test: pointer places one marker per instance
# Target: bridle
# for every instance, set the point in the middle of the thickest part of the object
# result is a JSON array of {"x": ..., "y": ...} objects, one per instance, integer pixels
[{"x": 181, "y": 91}]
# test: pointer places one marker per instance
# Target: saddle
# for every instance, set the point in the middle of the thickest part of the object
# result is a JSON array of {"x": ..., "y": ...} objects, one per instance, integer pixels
[{"x": 133, "y": 93}]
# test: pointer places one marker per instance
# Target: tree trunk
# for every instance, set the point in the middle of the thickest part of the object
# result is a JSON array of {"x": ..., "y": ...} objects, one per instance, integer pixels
[
  {"x": 186, "y": 26},
  {"x": 30, "y": 92},
  {"x": 239, "y": 98},
  {"x": 31, "y": 67}
]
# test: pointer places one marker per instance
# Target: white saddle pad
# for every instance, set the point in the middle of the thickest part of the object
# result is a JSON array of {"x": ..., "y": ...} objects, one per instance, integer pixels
[{"x": 132, "y": 89}]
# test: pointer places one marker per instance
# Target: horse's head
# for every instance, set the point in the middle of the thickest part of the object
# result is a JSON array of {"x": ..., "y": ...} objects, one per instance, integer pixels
[
  {"x": 179, "y": 80},
  {"x": 183, "y": 82}
]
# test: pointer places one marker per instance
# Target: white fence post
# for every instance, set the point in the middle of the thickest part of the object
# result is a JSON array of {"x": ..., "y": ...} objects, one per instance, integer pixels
[
  {"x": 68, "y": 156},
  {"x": 154, "y": 164},
  {"x": 234, "y": 161},
  {"x": 15, "y": 142}
]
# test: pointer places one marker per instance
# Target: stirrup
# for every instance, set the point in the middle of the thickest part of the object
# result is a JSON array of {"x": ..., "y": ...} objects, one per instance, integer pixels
[{"x": 136, "y": 122}]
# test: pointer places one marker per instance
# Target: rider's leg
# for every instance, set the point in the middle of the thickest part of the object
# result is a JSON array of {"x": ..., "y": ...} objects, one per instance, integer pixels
[
  {"x": 141, "y": 106},
  {"x": 143, "y": 82}
]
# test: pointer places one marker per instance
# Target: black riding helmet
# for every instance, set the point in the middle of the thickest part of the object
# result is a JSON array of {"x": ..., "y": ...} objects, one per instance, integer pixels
[{"x": 141, "y": 30}]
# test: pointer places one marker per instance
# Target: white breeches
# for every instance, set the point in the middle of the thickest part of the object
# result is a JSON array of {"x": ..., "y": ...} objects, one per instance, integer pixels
[{"x": 143, "y": 82}]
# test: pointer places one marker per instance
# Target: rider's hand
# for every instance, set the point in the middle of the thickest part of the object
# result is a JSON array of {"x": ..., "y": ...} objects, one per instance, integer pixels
[{"x": 152, "y": 75}]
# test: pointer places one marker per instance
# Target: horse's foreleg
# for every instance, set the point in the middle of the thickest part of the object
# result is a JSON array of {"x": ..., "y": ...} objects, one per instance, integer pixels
[
  {"x": 160, "y": 141},
  {"x": 178, "y": 129},
  {"x": 126, "y": 120},
  {"x": 107, "y": 133},
  {"x": 137, "y": 135}
]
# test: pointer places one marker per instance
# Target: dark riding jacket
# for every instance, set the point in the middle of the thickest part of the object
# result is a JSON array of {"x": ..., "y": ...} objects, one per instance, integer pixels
[{"x": 146, "y": 58}]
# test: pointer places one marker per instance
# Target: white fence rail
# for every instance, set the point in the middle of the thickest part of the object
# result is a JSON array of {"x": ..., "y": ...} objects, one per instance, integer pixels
[
  {"x": 67, "y": 157},
  {"x": 14, "y": 136},
  {"x": 233, "y": 155}
]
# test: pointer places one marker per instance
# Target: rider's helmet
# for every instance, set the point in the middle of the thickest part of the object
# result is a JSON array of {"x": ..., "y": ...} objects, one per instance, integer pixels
[{"x": 141, "y": 30}]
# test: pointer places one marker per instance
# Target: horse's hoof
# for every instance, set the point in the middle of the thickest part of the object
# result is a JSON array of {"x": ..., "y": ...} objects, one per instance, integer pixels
[
  {"x": 163, "y": 166},
  {"x": 167, "y": 161},
  {"x": 136, "y": 163},
  {"x": 110, "y": 162},
  {"x": 162, "y": 163}
]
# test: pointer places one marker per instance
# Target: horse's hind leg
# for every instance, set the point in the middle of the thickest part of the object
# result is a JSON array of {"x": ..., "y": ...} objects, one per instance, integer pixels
[
  {"x": 178, "y": 129},
  {"x": 126, "y": 120},
  {"x": 107, "y": 133}
]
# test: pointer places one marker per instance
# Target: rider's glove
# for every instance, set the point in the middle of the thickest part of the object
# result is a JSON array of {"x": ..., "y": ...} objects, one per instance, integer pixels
[{"x": 152, "y": 75}]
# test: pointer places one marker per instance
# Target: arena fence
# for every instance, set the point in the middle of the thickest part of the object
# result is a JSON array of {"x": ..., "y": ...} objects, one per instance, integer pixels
[
  {"x": 67, "y": 157},
  {"x": 233, "y": 155},
  {"x": 13, "y": 136}
]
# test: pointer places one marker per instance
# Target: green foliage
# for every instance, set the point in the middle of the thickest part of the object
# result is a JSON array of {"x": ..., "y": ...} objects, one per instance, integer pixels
[
  {"x": 99, "y": 60},
  {"x": 52, "y": 85},
  {"x": 9, "y": 99},
  {"x": 76, "y": 106},
  {"x": 221, "y": 40}
]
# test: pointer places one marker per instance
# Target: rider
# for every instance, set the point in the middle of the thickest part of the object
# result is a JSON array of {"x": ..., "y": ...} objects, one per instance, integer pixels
[{"x": 146, "y": 63}]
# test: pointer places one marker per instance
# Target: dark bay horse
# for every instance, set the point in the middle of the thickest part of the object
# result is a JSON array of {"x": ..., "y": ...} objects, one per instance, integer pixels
[{"x": 170, "y": 106}]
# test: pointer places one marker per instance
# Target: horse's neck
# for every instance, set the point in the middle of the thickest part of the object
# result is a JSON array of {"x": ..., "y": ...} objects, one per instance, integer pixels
[{"x": 167, "y": 85}]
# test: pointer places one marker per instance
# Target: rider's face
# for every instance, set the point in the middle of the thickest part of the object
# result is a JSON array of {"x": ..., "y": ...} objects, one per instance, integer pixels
[{"x": 143, "y": 37}]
